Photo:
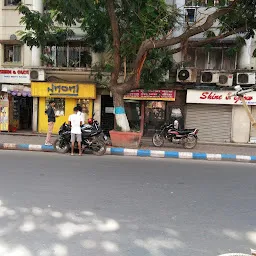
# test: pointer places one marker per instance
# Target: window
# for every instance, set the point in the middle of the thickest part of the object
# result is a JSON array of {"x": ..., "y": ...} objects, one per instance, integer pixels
[
  {"x": 190, "y": 14},
  {"x": 72, "y": 54},
  {"x": 11, "y": 2},
  {"x": 59, "y": 106},
  {"x": 12, "y": 53},
  {"x": 207, "y": 2}
]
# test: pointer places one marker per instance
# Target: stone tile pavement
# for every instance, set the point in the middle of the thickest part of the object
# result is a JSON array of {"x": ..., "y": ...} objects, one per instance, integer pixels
[{"x": 212, "y": 148}]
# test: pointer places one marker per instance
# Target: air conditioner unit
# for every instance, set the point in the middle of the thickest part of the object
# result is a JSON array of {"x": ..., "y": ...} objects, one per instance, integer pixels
[
  {"x": 225, "y": 79},
  {"x": 37, "y": 75},
  {"x": 245, "y": 78},
  {"x": 188, "y": 75},
  {"x": 209, "y": 77}
]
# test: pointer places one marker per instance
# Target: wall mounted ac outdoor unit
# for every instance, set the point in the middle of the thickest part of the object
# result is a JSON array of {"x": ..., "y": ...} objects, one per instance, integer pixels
[
  {"x": 245, "y": 78},
  {"x": 37, "y": 75},
  {"x": 225, "y": 79},
  {"x": 186, "y": 75},
  {"x": 209, "y": 77}
]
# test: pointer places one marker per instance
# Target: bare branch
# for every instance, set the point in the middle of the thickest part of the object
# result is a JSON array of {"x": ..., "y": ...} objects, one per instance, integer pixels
[{"x": 209, "y": 40}]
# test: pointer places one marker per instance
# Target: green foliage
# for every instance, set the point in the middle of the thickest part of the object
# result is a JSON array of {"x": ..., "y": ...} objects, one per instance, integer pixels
[
  {"x": 40, "y": 29},
  {"x": 157, "y": 65}
]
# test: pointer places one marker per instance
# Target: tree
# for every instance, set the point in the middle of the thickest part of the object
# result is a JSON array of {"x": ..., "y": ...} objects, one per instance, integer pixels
[{"x": 133, "y": 31}]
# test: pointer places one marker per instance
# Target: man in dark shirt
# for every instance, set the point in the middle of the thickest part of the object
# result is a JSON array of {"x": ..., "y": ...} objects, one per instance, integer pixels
[{"x": 51, "y": 120}]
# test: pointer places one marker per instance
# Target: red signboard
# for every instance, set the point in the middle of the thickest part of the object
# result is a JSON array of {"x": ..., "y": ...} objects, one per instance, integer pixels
[{"x": 165, "y": 95}]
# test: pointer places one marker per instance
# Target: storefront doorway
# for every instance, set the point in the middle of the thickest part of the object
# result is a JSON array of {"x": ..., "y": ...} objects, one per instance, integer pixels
[
  {"x": 155, "y": 116},
  {"x": 107, "y": 113},
  {"x": 22, "y": 112}
]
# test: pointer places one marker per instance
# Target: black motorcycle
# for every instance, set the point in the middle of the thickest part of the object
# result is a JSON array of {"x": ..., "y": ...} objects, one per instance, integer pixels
[
  {"x": 90, "y": 140},
  {"x": 187, "y": 137}
]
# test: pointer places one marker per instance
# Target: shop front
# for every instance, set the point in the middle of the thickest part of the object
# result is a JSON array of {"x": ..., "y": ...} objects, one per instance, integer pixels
[
  {"x": 218, "y": 116},
  {"x": 147, "y": 110},
  {"x": 66, "y": 97},
  {"x": 16, "y": 103}
]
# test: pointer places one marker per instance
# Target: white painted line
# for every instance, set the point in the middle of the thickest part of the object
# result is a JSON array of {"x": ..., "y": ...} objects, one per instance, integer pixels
[
  {"x": 108, "y": 151},
  {"x": 35, "y": 147},
  {"x": 157, "y": 153},
  {"x": 9, "y": 146},
  {"x": 185, "y": 155},
  {"x": 213, "y": 156},
  {"x": 130, "y": 152},
  {"x": 243, "y": 158}
]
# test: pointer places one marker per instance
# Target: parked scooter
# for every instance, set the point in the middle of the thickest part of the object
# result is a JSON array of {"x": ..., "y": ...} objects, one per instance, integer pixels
[
  {"x": 91, "y": 139},
  {"x": 187, "y": 137}
]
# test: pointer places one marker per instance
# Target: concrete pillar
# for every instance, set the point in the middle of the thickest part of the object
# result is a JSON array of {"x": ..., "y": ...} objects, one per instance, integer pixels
[
  {"x": 241, "y": 125},
  {"x": 245, "y": 56},
  {"x": 36, "y": 52},
  {"x": 36, "y": 62},
  {"x": 96, "y": 58},
  {"x": 177, "y": 57},
  {"x": 97, "y": 108},
  {"x": 35, "y": 115}
]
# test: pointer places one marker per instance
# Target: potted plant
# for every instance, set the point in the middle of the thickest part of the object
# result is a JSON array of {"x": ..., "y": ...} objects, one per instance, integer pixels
[{"x": 130, "y": 139}]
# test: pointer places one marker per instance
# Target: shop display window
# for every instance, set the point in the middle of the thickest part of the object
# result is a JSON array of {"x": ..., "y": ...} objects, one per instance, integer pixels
[
  {"x": 84, "y": 104},
  {"x": 59, "y": 106}
]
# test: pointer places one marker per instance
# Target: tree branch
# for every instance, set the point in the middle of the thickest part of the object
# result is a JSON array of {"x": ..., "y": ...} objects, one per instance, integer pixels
[
  {"x": 116, "y": 41},
  {"x": 193, "y": 31},
  {"x": 209, "y": 40}
]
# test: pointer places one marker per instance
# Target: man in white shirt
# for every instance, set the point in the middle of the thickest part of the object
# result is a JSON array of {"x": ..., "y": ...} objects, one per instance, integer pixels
[{"x": 75, "y": 121}]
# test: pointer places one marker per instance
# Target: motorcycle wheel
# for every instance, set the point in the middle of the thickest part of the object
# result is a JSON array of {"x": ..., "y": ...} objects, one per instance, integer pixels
[
  {"x": 63, "y": 149},
  {"x": 98, "y": 147},
  {"x": 190, "y": 142},
  {"x": 158, "y": 140}
]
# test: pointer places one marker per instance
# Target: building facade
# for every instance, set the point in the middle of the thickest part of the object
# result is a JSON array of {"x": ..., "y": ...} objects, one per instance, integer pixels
[
  {"x": 203, "y": 79},
  {"x": 211, "y": 74}
]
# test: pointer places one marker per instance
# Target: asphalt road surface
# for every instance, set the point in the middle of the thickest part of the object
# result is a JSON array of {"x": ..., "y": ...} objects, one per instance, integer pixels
[{"x": 58, "y": 205}]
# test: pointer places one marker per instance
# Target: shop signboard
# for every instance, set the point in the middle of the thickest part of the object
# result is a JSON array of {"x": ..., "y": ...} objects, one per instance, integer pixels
[
  {"x": 63, "y": 90},
  {"x": 4, "y": 113},
  {"x": 14, "y": 76},
  {"x": 160, "y": 95},
  {"x": 218, "y": 97}
]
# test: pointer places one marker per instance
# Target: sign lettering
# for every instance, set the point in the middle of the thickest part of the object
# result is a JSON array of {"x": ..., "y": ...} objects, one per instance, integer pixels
[
  {"x": 15, "y": 76},
  {"x": 61, "y": 90},
  {"x": 165, "y": 95},
  {"x": 219, "y": 97}
]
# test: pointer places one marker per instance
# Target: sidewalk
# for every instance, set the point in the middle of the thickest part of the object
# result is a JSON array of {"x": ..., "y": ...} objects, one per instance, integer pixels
[{"x": 211, "y": 148}]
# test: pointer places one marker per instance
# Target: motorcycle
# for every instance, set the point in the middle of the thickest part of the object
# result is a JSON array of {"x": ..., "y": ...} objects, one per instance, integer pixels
[
  {"x": 90, "y": 140},
  {"x": 187, "y": 137},
  {"x": 95, "y": 124}
]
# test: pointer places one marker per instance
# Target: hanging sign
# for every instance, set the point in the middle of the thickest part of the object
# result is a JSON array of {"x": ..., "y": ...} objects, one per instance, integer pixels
[{"x": 164, "y": 95}]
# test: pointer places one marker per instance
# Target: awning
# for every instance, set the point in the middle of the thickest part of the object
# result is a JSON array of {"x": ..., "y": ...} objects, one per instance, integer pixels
[{"x": 17, "y": 90}]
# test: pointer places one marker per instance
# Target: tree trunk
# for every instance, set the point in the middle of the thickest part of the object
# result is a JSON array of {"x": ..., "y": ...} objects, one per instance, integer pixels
[{"x": 120, "y": 115}]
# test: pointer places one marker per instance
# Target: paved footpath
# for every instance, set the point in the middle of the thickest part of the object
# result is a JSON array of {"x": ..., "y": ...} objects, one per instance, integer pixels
[{"x": 245, "y": 149}]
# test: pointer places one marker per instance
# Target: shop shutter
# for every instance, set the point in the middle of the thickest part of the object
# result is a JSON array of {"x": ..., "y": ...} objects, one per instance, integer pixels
[
  {"x": 253, "y": 130},
  {"x": 213, "y": 121}
]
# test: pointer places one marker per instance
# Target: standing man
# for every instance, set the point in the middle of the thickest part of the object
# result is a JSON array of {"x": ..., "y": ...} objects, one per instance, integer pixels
[
  {"x": 75, "y": 121},
  {"x": 51, "y": 121}
]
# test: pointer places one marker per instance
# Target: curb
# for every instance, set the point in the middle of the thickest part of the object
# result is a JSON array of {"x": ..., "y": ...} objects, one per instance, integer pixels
[
  {"x": 142, "y": 153},
  {"x": 180, "y": 155}
]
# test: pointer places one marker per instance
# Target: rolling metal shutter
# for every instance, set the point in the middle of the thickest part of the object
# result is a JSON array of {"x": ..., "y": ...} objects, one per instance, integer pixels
[{"x": 213, "y": 121}]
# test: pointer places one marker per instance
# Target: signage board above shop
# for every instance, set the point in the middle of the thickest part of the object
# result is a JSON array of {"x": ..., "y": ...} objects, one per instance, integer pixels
[
  {"x": 160, "y": 95},
  {"x": 219, "y": 97},
  {"x": 14, "y": 76},
  {"x": 63, "y": 90}
]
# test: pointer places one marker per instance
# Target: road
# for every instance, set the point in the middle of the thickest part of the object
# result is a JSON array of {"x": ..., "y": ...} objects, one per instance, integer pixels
[{"x": 58, "y": 205}]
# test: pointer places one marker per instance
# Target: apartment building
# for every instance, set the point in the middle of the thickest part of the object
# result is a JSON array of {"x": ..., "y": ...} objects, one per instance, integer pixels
[
  {"x": 209, "y": 74},
  {"x": 29, "y": 77}
]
